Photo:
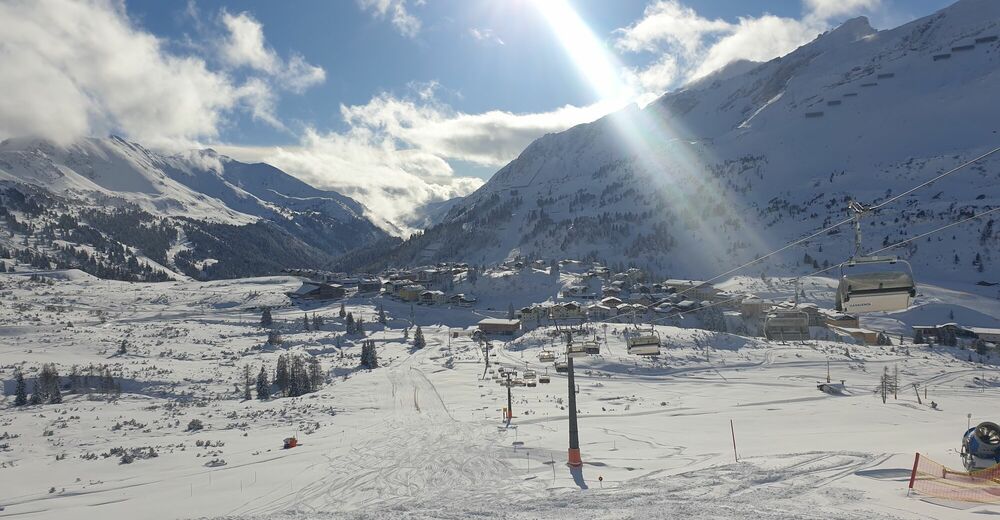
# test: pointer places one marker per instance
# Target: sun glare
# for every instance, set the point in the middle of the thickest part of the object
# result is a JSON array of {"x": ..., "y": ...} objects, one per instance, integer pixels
[{"x": 588, "y": 53}]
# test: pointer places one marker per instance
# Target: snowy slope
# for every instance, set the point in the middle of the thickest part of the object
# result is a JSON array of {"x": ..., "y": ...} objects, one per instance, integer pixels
[
  {"x": 422, "y": 436},
  {"x": 745, "y": 160},
  {"x": 204, "y": 207}
]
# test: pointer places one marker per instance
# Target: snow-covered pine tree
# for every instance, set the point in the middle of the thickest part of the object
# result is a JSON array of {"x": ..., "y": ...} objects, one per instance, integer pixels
[
  {"x": 381, "y": 315},
  {"x": 35, "y": 398},
  {"x": 281, "y": 374},
  {"x": 265, "y": 318},
  {"x": 297, "y": 382},
  {"x": 369, "y": 357},
  {"x": 315, "y": 374},
  {"x": 359, "y": 326},
  {"x": 317, "y": 321},
  {"x": 20, "y": 390},
  {"x": 305, "y": 321},
  {"x": 263, "y": 386},
  {"x": 406, "y": 334},
  {"x": 418, "y": 338},
  {"x": 343, "y": 311},
  {"x": 123, "y": 348},
  {"x": 247, "y": 383},
  {"x": 349, "y": 323}
]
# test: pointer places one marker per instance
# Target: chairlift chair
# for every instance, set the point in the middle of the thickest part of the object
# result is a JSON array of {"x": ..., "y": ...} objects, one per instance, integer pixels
[
  {"x": 562, "y": 366},
  {"x": 576, "y": 350},
  {"x": 875, "y": 291},
  {"x": 787, "y": 325},
  {"x": 592, "y": 347},
  {"x": 546, "y": 356},
  {"x": 644, "y": 343}
]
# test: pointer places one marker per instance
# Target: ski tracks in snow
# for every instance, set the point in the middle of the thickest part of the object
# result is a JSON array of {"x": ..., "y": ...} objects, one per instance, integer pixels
[{"x": 419, "y": 456}]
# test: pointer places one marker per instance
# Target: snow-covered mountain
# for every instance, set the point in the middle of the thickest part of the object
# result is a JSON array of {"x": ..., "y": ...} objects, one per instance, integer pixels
[
  {"x": 214, "y": 212},
  {"x": 755, "y": 155}
]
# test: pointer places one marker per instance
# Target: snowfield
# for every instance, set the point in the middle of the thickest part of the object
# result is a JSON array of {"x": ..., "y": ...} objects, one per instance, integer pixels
[{"x": 423, "y": 436}]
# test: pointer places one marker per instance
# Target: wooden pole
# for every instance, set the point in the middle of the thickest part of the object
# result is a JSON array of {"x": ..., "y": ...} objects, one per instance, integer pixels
[
  {"x": 913, "y": 474},
  {"x": 733, "y": 431}
]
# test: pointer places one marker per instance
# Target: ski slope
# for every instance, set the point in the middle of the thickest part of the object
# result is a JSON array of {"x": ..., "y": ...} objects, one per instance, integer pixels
[{"x": 422, "y": 435}]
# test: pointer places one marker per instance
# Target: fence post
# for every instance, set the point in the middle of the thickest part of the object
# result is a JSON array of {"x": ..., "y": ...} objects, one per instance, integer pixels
[{"x": 913, "y": 474}]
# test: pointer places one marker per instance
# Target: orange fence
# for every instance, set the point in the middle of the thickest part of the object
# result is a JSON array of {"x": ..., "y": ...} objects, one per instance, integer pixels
[{"x": 933, "y": 479}]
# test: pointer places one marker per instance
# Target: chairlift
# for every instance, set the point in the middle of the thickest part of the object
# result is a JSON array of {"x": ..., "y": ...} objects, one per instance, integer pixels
[
  {"x": 875, "y": 291},
  {"x": 546, "y": 356},
  {"x": 561, "y": 366},
  {"x": 592, "y": 347},
  {"x": 544, "y": 378},
  {"x": 787, "y": 325},
  {"x": 884, "y": 291},
  {"x": 576, "y": 350},
  {"x": 643, "y": 342}
]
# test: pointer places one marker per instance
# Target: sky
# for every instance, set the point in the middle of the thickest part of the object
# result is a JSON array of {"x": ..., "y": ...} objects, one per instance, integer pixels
[{"x": 397, "y": 103}]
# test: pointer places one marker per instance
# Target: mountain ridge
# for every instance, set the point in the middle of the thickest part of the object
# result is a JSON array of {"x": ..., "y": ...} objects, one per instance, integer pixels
[{"x": 729, "y": 168}]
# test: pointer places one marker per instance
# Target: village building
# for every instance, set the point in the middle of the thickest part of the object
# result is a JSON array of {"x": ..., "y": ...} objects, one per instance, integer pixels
[
  {"x": 498, "y": 326},
  {"x": 611, "y": 302},
  {"x": 597, "y": 312},
  {"x": 462, "y": 300},
  {"x": 432, "y": 297},
  {"x": 691, "y": 289},
  {"x": 319, "y": 291},
  {"x": 411, "y": 293}
]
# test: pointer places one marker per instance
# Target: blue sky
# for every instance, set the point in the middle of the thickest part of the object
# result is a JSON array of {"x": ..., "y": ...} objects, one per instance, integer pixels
[
  {"x": 364, "y": 54},
  {"x": 397, "y": 103}
]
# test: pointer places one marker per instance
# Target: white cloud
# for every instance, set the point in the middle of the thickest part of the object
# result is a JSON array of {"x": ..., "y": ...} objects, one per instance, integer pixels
[
  {"x": 396, "y": 11},
  {"x": 672, "y": 23},
  {"x": 77, "y": 68},
  {"x": 245, "y": 46},
  {"x": 485, "y": 35},
  {"x": 827, "y": 9},
  {"x": 693, "y": 46},
  {"x": 394, "y": 155}
]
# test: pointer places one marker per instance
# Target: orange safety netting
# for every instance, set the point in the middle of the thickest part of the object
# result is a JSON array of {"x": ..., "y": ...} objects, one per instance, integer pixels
[{"x": 934, "y": 479}]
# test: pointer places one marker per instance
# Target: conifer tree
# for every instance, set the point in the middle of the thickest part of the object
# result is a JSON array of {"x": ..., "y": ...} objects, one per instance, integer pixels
[
  {"x": 317, "y": 321},
  {"x": 265, "y": 318},
  {"x": 35, "y": 397},
  {"x": 123, "y": 348},
  {"x": 247, "y": 383},
  {"x": 305, "y": 321},
  {"x": 20, "y": 390},
  {"x": 281, "y": 374},
  {"x": 343, "y": 311},
  {"x": 263, "y": 386},
  {"x": 381, "y": 315},
  {"x": 510, "y": 311},
  {"x": 315, "y": 374},
  {"x": 349, "y": 323},
  {"x": 418, "y": 338},
  {"x": 297, "y": 382},
  {"x": 369, "y": 356}
]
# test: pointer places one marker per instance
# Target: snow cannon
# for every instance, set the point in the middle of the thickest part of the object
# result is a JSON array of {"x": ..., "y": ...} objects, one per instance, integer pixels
[{"x": 981, "y": 446}]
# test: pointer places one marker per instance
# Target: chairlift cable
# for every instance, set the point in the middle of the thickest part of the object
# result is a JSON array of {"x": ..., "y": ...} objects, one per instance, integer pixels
[
  {"x": 848, "y": 220},
  {"x": 835, "y": 266}
]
